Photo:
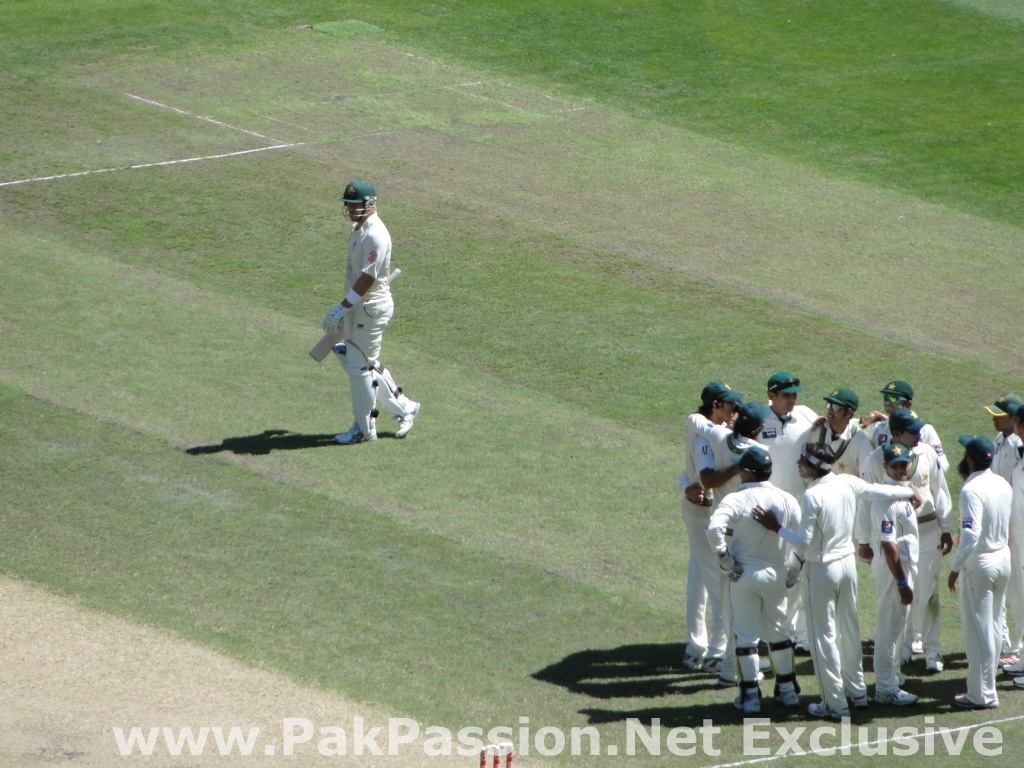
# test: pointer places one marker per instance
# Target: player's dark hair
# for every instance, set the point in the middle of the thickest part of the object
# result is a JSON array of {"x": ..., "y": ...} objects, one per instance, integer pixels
[{"x": 822, "y": 453}]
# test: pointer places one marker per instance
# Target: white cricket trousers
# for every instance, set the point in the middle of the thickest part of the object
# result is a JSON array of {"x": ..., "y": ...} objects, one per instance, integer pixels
[
  {"x": 757, "y": 604},
  {"x": 830, "y": 602},
  {"x": 1015, "y": 587},
  {"x": 982, "y": 587},
  {"x": 705, "y": 587},
  {"x": 892, "y": 620},
  {"x": 924, "y": 611}
]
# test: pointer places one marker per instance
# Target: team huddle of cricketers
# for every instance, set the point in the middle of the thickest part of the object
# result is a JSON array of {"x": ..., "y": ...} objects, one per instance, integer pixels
[{"x": 779, "y": 504}]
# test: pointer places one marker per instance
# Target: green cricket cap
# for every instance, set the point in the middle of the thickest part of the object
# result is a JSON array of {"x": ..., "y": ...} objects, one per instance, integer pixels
[
  {"x": 1005, "y": 406},
  {"x": 784, "y": 381},
  {"x": 847, "y": 398}
]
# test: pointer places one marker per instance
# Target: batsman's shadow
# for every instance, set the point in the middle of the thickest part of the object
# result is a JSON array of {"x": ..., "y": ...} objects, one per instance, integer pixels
[{"x": 263, "y": 443}]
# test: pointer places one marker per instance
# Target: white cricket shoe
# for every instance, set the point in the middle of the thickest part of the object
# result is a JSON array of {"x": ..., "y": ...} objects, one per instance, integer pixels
[
  {"x": 787, "y": 695},
  {"x": 859, "y": 702},
  {"x": 355, "y": 435},
  {"x": 405, "y": 422},
  {"x": 818, "y": 709},
  {"x": 1014, "y": 669},
  {"x": 917, "y": 647},
  {"x": 712, "y": 665},
  {"x": 897, "y": 698},
  {"x": 934, "y": 664},
  {"x": 748, "y": 702},
  {"x": 691, "y": 661}
]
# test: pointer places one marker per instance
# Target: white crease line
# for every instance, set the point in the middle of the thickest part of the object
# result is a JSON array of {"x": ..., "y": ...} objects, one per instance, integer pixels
[
  {"x": 936, "y": 733},
  {"x": 148, "y": 165},
  {"x": 570, "y": 107},
  {"x": 486, "y": 98},
  {"x": 199, "y": 117}
]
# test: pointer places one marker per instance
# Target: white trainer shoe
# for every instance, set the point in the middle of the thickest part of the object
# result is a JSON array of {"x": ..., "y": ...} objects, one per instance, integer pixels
[
  {"x": 934, "y": 664},
  {"x": 712, "y": 665},
  {"x": 405, "y": 422},
  {"x": 897, "y": 698},
  {"x": 787, "y": 695},
  {"x": 1014, "y": 669},
  {"x": 818, "y": 709},
  {"x": 691, "y": 661},
  {"x": 355, "y": 435},
  {"x": 748, "y": 702},
  {"x": 859, "y": 702}
]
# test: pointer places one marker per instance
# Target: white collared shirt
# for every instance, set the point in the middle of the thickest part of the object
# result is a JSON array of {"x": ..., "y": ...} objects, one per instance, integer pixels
[
  {"x": 753, "y": 545},
  {"x": 986, "y": 502},
  {"x": 828, "y": 511},
  {"x": 1006, "y": 455}
]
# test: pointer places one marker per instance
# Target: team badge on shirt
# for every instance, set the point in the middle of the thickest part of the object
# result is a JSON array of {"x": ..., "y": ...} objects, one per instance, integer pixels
[
  {"x": 883, "y": 439},
  {"x": 967, "y": 523},
  {"x": 373, "y": 257},
  {"x": 887, "y": 526},
  {"x": 769, "y": 434}
]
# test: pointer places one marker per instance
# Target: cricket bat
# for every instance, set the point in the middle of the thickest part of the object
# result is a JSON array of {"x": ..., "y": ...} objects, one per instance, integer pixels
[{"x": 323, "y": 347}]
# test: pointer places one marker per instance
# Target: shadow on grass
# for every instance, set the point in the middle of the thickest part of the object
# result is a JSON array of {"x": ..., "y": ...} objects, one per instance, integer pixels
[
  {"x": 630, "y": 671},
  {"x": 653, "y": 671},
  {"x": 265, "y": 442}
]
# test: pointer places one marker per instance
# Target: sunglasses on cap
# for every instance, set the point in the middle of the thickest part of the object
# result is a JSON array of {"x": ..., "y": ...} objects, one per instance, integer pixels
[
  {"x": 895, "y": 399},
  {"x": 834, "y": 407},
  {"x": 785, "y": 385}
]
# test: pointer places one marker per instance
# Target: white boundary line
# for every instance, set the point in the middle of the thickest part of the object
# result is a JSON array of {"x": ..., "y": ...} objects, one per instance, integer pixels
[
  {"x": 840, "y": 749},
  {"x": 148, "y": 165}
]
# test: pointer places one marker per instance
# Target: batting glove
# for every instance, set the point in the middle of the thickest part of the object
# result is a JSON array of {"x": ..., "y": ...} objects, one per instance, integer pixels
[{"x": 333, "y": 320}]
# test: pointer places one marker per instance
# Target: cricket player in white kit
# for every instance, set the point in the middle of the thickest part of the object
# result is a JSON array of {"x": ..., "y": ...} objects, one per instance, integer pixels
[
  {"x": 983, "y": 561},
  {"x": 935, "y": 520},
  {"x": 825, "y": 540},
  {"x": 705, "y": 582},
  {"x": 1006, "y": 443},
  {"x": 756, "y": 565},
  {"x": 895, "y": 395},
  {"x": 894, "y": 535},
  {"x": 1007, "y": 451},
  {"x": 784, "y": 433},
  {"x": 363, "y": 315},
  {"x": 717, "y": 453},
  {"x": 1015, "y": 587},
  {"x": 838, "y": 430}
]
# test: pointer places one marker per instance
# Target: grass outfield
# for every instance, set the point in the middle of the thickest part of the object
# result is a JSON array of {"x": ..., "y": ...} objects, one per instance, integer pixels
[{"x": 580, "y": 257}]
